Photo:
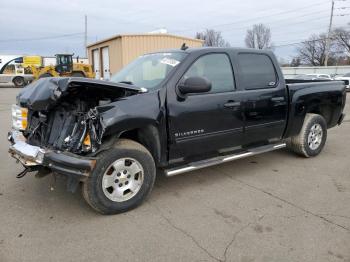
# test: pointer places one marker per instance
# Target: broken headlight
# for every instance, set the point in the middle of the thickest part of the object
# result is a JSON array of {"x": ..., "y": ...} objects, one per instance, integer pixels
[
  {"x": 19, "y": 117},
  {"x": 87, "y": 143}
]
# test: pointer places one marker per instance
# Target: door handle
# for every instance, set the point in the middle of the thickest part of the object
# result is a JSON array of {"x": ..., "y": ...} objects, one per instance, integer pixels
[
  {"x": 277, "y": 99},
  {"x": 232, "y": 104}
]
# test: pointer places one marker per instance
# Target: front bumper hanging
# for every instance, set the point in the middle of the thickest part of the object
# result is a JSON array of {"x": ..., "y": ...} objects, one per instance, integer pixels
[{"x": 61, "y": 162}]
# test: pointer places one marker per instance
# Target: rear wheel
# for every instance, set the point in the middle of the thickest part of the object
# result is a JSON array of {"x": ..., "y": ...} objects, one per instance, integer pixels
[
  {"x": 311, "y": 138},
  {"x": 122, "y": 179},
  {"x": 19, "y": 81}
]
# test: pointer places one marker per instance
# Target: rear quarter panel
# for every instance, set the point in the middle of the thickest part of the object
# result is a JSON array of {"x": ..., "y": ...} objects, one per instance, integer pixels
[{"x": 327, "y": 99}]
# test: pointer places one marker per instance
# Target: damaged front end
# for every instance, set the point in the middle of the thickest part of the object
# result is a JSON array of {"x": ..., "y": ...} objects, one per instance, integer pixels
[
  {"x": 71, "y": 126},
  {"x": 58, "y": 123}
]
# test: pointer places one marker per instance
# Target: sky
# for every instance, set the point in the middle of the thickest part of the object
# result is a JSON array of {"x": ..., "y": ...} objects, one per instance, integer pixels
[{"x": 49, "y": 27}]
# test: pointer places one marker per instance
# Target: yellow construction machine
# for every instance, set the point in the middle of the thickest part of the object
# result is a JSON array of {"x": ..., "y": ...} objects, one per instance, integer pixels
[{"x": 64, "y": 67}]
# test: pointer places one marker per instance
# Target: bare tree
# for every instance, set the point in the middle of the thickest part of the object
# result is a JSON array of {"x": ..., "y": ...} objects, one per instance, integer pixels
[
  {"x": 295, "y": 62},
  {"x": 313, "y": 51},
  {"x": 342, "y": 39},
  {"x": 212, "y": 38},
  {"x": 259, "y": 37}
]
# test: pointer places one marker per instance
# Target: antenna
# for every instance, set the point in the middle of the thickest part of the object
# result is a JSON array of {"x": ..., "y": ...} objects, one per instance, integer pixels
[
  {"x": 184, "y": 47},
  {"x": 85, "y": 37}
]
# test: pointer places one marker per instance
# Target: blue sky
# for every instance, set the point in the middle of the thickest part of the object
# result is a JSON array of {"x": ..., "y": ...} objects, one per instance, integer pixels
[{"x": 22, "y": 22}]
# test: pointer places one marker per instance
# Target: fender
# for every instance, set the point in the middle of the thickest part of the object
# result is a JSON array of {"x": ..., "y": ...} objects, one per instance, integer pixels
[
  {"x": 323, "y": 100},
  {"x": 145, "y": 123}
]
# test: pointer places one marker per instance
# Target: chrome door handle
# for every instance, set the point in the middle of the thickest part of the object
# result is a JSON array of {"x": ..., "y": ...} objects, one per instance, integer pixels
[{"x": 232, "y": 104}]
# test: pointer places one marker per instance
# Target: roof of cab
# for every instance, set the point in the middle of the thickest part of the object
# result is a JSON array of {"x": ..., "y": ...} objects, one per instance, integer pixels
[{"x": 214, "y": 49}]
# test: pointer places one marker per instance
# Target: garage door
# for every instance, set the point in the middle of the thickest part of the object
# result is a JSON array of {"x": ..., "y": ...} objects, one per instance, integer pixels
[
  {"x": 96, "y": 63},
  {"x": 105, "y": 63}
]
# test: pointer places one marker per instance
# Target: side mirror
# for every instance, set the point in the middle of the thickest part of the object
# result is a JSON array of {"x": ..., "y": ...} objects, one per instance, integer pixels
[{"x": 194, "y": 84}]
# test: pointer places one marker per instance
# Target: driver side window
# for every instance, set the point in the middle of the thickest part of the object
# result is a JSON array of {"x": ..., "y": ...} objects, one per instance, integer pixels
[{"x": 217, "y": 69}]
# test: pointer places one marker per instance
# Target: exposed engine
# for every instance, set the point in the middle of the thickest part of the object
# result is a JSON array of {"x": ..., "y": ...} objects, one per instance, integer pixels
[
  {"x": 71, "y": 127},
  {"x": 67, "y": 116}
]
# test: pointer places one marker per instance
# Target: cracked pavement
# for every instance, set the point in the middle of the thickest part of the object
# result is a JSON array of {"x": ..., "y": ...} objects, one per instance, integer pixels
[{"x": 272, "y": 207}]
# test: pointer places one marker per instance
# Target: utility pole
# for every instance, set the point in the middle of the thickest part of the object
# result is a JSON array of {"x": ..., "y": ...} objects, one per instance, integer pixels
[
  {"x": 85, "y": 37},
  {"x": 328, "y": 40}
]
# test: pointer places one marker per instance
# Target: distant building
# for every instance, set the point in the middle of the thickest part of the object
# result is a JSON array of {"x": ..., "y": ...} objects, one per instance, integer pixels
[{"x": 108, "y": 56}]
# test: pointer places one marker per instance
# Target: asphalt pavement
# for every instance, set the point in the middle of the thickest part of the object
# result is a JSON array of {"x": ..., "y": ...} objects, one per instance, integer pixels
[{"x": 271, "y": 207}]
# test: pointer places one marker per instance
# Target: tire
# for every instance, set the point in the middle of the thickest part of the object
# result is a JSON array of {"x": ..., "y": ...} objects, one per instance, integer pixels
[
  {"x": 78, "y": 74},
  {"x": 308, "y": 142},
  {"x": 97, "y": 190},
  {"x": 45, "y": 75},
  {"x": 19, "y": 81}
]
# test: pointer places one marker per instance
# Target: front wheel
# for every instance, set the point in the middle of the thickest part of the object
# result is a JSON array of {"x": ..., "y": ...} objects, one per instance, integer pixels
[
  {"x": 122, "y": 179},
  {"x": 312, "y": 136}
]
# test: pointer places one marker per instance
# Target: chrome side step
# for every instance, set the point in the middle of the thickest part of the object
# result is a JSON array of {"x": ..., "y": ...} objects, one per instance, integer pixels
[{"x": 222, "y": 159}]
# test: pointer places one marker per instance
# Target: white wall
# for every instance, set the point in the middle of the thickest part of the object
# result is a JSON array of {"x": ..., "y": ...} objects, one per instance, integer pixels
[{"x": 290, "y": 72}]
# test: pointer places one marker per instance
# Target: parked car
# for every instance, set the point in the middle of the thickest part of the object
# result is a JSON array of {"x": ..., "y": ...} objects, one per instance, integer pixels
[
  {"x": 172, "y": 112},
  {"x": 346, "y": 78},
  {"x": 313, "y": 77},
  {"x": 320, "y": 76}
]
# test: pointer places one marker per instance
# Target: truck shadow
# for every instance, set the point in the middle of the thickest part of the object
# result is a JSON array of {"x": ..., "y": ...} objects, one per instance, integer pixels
[{"x": 51, "y": 194}]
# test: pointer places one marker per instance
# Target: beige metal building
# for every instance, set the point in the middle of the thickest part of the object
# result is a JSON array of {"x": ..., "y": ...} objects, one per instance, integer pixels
[{"x": 110, "y": 55}]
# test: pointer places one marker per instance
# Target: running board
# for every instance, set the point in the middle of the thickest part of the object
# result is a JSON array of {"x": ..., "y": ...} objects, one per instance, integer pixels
[{"x": 222, "y": 159}]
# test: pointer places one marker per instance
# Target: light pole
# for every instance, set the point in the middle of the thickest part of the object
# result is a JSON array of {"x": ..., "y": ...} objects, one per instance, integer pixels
[{"x": 328, "y": 40}]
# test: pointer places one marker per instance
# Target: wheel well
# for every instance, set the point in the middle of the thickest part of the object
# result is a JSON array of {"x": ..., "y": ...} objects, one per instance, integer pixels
[
  {"x": 148, "y": 137},
  {"x": 325, "y": 111},
  {"x": 79, "y": 72},
  {"x": 46, "y": 74}
]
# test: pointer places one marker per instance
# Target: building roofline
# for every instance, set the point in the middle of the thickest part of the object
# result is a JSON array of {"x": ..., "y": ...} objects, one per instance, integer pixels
[{"x": 144, "y": 34}]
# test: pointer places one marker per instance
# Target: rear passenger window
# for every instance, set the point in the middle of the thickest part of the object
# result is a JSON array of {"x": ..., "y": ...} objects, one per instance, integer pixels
[
  {"x": 257, "y": 71},
  {"x": 215, "y": 67}
]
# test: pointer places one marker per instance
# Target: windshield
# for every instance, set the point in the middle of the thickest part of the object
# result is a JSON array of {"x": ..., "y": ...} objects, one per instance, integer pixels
[
  {"x": 347, "y": 75},
  {"x": 63, "y": 59},
  {"x": 148, "y": 70}
]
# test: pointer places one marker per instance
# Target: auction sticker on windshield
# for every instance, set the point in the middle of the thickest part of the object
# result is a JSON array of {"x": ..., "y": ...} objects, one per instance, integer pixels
[{"x": 170, "y": 61}]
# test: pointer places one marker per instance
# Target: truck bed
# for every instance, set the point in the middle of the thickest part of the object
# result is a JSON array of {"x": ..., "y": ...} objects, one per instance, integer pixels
[{"x": 326, "y": 97}]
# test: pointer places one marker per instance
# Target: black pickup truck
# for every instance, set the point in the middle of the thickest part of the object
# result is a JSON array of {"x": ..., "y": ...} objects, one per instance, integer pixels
[{"x": 167, "y": 113}]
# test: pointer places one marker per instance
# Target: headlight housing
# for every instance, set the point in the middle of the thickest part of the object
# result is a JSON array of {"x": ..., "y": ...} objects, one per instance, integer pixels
[{"x": 19, "y": 117}]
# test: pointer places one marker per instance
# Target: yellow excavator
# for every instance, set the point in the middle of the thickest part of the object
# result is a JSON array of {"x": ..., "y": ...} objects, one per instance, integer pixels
[{"x": 64, "y": 67}]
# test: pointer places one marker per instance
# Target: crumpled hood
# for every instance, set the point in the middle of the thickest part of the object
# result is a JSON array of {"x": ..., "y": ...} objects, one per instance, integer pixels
[{"x": 45, "y": 93}]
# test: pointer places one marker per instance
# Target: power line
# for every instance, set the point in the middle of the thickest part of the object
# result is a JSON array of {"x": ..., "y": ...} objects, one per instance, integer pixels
[
  {"x": 280, "y": 25},
  {"x": 252, "y": 19},
  {"x": 300, "y": 31},
  {"x": 301, "y": 42},
  {"x": 40, "y": 38},
  {"x": 304, "y": 41}
]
